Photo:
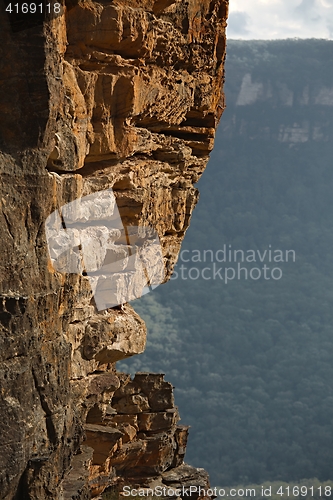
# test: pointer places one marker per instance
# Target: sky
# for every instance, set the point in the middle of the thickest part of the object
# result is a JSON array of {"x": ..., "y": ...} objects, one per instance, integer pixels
[{"x": 272, "y": 19}]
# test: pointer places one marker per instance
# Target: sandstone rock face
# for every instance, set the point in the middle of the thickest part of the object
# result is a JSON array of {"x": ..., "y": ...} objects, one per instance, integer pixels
[
  {"x": 122, "y": 94},
  {"x": 137, "y": 438}
]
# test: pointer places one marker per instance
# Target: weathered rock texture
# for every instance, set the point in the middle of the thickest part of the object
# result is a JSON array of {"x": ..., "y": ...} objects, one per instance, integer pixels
[{"x": 123, "y": 94}]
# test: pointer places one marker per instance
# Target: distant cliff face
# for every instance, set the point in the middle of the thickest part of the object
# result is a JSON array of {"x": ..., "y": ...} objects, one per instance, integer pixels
[
  {"x": 290, "y": 96},
  {"x": 126, "y": 95}
]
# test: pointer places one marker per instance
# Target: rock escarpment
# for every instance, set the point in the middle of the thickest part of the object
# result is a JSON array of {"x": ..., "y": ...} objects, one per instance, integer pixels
[{"x": 122, "y": 94}]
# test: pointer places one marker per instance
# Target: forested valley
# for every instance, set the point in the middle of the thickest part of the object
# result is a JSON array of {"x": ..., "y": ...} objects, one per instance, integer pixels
[{"x": 251, "y": 359}]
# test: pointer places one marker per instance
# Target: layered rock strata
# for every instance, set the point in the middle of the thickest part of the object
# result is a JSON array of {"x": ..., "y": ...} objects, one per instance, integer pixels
[
  {"x": 122, "y": 94},
  {"x": 138, "y": 438}
]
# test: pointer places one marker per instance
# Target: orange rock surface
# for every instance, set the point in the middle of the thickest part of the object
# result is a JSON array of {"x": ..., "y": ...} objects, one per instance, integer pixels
[{"x": 122, "y": 94}]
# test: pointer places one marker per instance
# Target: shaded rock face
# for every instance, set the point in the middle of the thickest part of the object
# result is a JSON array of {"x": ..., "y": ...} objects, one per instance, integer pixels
[{"x": 126, "y": 95}]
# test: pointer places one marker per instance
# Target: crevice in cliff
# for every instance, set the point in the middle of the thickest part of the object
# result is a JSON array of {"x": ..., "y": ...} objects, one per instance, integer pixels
[
  {"x": 185, "y": 135},
  {"x": 15, "y": 356},
  {"x": 196, "y": 119},
  {"x": 51, "y": 431},
  {"x": 180, "y": 132},
  {"x": 90, "y": 167},
  {"x": 9, "y": 226}
]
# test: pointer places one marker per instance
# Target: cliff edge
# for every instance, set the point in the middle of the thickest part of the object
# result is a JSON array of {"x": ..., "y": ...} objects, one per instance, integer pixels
[{"x": 122, "y": 94}]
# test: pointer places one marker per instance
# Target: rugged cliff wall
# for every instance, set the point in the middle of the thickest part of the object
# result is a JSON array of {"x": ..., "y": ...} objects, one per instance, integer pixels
[{"x": 122, "y": 94}]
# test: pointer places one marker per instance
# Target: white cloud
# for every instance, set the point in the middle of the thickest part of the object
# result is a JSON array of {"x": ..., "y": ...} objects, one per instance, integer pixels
[
  {"x": 239, "y": 23},
  {"x": 272, "y": 19}
]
